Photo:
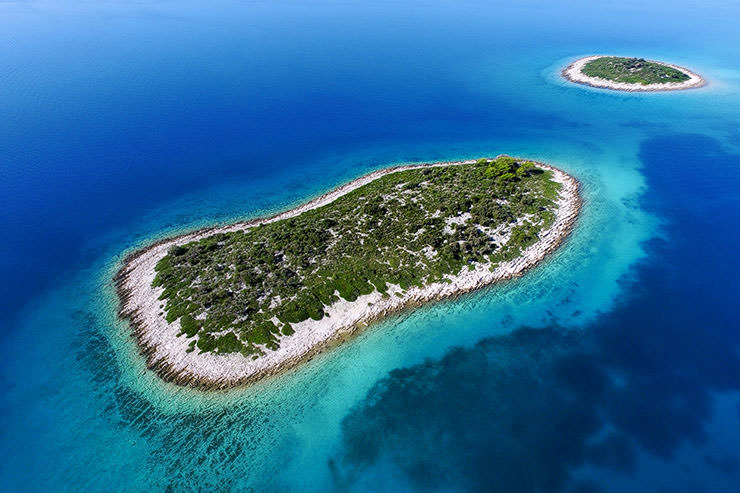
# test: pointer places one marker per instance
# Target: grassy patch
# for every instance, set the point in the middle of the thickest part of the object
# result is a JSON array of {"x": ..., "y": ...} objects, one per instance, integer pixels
[
  {"x": 632, "y": 71},
  {"x": 408, "y": 228}
]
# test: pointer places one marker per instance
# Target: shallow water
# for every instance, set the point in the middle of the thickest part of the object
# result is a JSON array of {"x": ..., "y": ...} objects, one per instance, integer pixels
[{"x": 613, "y": 366}]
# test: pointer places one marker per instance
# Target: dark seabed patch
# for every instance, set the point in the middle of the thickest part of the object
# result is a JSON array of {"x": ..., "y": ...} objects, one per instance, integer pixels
[{"x": 522, "y": 412}]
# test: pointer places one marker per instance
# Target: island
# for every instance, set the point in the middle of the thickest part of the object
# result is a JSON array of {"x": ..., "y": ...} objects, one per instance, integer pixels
[
  {"x": 631, "y": 74},
  {"x": 228, "y": 305}
]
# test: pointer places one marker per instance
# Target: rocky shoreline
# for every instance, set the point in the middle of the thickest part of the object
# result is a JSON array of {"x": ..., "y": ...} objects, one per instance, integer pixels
[
  {"x": 573, "y": 73},
  {"x": 165, "y": 351}
]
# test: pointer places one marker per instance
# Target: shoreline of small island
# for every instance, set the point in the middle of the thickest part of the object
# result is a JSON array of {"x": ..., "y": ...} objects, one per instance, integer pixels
[
  {"x": 574, "y": 74},
  {"x": 165, "y": 349}
]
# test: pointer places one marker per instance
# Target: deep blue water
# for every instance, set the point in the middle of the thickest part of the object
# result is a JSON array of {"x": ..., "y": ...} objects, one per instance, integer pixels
[{"x": 615, "y": 366}]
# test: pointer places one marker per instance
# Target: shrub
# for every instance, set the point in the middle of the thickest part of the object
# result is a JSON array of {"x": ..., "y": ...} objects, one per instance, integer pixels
[
  {"x": 228, "y": 343},
  {"x": 293, "y": 312},
  {"x": 506, "y": 177},
  {"x": 178, "y": 250},
  {"x": 189, "y": 325},
  {"x": 260, "y": 335},
  {"x": 164, "y": 264},
  {"x": 206, "y": 342},
  {"x": 346, "y": 289}
]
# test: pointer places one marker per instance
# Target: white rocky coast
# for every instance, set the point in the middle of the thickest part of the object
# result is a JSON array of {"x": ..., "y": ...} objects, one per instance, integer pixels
[{"x": 165, "y": 350}]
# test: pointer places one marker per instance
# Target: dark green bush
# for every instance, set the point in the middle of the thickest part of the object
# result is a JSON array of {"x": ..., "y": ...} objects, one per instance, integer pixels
[
  {"x": 189, "y": 325},
  {"x": 260, "y": 334},
  {"x": 206, "y": 342},
  {"x": 228, "y": 343}
]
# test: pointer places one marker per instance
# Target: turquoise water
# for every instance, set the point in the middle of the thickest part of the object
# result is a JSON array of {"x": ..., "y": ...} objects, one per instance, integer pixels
[{"x": 613, "y": 366}]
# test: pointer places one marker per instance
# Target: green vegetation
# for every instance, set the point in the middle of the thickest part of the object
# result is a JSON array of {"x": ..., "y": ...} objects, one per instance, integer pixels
[
  {"x": 632, "y": 71},
  {"x": 242, "y": 291}
]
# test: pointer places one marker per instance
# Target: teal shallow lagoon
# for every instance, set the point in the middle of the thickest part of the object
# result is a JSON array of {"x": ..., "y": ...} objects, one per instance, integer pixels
[
  {"x": 313, "y": 398},
  {"x": 80, "y": 411}
]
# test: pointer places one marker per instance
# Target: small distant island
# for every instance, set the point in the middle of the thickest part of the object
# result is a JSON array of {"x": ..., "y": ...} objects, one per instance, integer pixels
[
  {"x": 228, "y": 305},
  {"x": 631, "y": 74}
]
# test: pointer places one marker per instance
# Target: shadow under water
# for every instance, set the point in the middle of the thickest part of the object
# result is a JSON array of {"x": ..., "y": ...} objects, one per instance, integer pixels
[{"x": 525, "y": 411}]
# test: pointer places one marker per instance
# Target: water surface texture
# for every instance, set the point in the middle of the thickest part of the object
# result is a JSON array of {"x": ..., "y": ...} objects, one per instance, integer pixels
[{"x": 613, "y": 366}]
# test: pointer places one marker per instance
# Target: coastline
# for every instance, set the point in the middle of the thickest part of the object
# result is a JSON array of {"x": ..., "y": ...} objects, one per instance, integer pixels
[
  {"x": 573, "y": 73},
  {"x": 165, "y": 351}
]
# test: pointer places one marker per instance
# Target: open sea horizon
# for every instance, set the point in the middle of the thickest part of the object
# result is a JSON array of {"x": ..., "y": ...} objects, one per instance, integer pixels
[{"x": 613, "y": 366}]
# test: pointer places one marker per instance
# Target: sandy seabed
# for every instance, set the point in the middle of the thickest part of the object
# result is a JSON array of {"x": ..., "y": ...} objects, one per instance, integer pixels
[
  {"x": 573, "y": 73},
  {"x": 165, "y": 350}
]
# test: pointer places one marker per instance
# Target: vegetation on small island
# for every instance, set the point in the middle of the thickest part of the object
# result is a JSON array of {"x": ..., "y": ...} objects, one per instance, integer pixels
[
  {"x": 632, "y": 71},
  {"x": 241, "y": 291}
]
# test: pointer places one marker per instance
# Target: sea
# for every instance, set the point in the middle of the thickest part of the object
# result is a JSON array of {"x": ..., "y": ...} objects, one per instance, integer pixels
[{"x": 613, "y": 366}]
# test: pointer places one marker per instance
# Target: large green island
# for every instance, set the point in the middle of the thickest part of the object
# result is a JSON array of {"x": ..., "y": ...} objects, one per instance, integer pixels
[
  {"x": 229, "y": 305},
  {"x": 631, "y": 74}
]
